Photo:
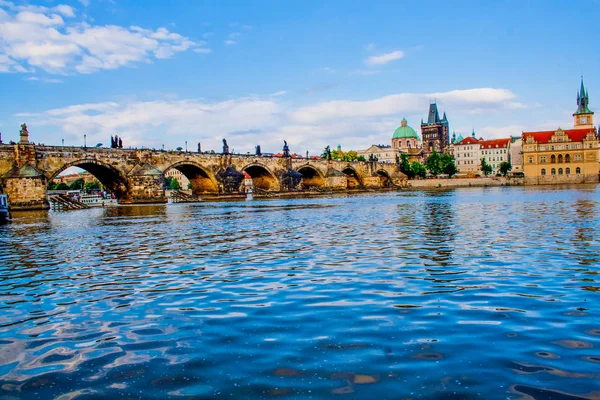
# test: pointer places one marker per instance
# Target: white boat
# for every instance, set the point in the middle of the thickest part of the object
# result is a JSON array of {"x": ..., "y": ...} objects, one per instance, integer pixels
[
  {"x": 97, "y": 200},
  {"x": 4, "y": 209}
]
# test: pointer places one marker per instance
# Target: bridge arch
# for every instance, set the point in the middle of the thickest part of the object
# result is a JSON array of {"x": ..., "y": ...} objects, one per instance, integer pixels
[
  {"x": 353, "y": 178},
  {"x": 262, "y": 177},
  {"x": 200, "y": 178},
  {"x": 311, "y": 177},
  {"x": 111, "y": 178},
  {"x": 385, "y": 180}
]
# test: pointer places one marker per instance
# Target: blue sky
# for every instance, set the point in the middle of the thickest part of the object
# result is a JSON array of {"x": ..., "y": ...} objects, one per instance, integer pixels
[{"x": 311, "y": 72}]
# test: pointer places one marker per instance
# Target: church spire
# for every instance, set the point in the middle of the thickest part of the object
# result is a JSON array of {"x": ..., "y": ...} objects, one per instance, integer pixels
[{"x": 582, "y": 100}]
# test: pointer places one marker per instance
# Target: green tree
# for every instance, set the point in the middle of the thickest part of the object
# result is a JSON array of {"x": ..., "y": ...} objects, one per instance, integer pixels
[
  {"x": 505, "y": 168},
  {"x": 77, "y": 184},
  {"x": 418, "y": 169},
  {"x": 404, "y": 166},
  {"x": 92, "y": 185},
  {"x": 172, "y": 183},
  {"x": 361, "y": 158},
  {"x": 350, "y": 155},
  {"x": 62, "y": 186},
  {"x": 52, "y": 185},
  {"x": 447, "y": 164},
  {"x": 434, "y": 164},
  {"x": 189, "y": 185},
  {"x": 485, "y": 167}
]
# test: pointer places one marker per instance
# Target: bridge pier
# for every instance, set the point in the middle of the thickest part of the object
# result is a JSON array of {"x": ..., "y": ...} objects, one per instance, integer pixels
[
  {"x": 145, "y": 184},
  {"x": 26, "y": 188}
]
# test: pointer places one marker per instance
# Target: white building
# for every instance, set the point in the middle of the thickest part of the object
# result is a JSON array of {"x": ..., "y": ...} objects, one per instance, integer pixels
[
  {"x": 495, "y": 151},
  {"x": 382, "y": 152},
  {"x": 467, "y": 155}
]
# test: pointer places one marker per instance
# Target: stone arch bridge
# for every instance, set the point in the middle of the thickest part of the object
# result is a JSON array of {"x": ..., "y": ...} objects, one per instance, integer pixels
[{"x": 137, "y": 176}]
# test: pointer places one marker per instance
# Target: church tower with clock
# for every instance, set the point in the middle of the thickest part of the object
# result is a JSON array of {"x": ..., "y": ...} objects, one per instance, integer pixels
[{"x": 583, "y": 117}]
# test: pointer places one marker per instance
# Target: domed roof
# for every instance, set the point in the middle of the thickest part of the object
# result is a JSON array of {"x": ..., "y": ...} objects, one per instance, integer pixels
[{"x": 404, "y": 131}]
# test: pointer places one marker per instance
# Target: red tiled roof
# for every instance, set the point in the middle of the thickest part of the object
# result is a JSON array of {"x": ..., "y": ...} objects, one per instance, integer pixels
[
  {"x": 494, "y": 143},
  {"x": 468, "y": 140},
  {"x": 576, "y": 135}
]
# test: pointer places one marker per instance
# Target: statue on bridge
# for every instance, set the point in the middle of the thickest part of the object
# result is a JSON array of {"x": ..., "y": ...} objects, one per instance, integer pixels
[
  {"x": 199, "y": 148},
  {"x": 24, "y": 134},
  {"x": 0, "y": 137},
  {"x": 286, "y": 150},
  {"x": 327, "y": 153},
  {"x": 258, "y": 152},
  {"x": 225, "y": 147},
  {"x": 116, "y": 142}
]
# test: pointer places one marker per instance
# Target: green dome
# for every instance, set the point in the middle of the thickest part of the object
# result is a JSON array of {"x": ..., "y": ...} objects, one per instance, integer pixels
[{"x": 405, "y": 132}]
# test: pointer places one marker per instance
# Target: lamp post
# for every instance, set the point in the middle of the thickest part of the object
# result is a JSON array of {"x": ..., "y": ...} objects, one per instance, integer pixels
[
  {"x": 63, "y": 142},
  {"x": 186, "y": 146},
  {"x": 163, "y": 147},
  {"x": 84, "y": 141}
]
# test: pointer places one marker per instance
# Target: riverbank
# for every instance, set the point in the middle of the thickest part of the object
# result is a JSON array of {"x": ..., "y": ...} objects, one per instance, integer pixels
[{"x": 465, "y": 182}]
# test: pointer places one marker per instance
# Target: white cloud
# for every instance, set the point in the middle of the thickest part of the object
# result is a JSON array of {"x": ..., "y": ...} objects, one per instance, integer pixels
[
  {"x": 498, "y": 132},
  {"x": 327, "y": 69},
  {"x": 230, "y": 42},
  {"x": 85, "y": 3},
  {"x": 267, "y": 121},
  {"x": 44, "y": 80},
  {"x": 385, "y": 58},
  {"x": 280, "y": 93},
  {"x": 36, "y": 37}
]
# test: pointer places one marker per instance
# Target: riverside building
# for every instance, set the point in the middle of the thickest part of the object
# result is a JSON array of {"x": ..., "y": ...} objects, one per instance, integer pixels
[
  {"x": 466, "y": 155},
  {"x": 564, "y": 156}
]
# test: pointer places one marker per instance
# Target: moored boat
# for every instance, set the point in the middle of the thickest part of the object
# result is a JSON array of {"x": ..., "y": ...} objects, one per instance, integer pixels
[{"x": 4, "y": 209}]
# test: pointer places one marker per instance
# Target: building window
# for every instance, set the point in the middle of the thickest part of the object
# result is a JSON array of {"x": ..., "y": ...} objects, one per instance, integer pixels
[
  {"x": 553, "y": 171},
  {"x": 560, "y": 171},
  {"x": 560, "y": 158},
  {"x": 543, "y": 159},
  {"x": 543, "y": 171},
  {"x": 567, "y": 158},
  {"x": 577, "y": 157},
  {"x": 578, "y": 170},
  {"x": 530, "y": 160},
  {"x": 568, "y": 171},
  {"x": 553, "y": 159}
]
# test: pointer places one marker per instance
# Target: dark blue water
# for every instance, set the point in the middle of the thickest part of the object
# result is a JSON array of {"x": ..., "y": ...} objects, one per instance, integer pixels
[{"x": 485, "y": 293}]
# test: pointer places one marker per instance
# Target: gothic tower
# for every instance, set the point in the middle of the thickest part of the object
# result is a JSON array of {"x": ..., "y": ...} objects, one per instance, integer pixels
[
  {"x": 583, "y": 118},
  {"x": 435, "y": 132}
]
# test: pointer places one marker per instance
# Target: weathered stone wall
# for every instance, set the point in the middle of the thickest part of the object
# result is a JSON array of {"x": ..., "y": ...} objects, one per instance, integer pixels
[{"x": 26, "y": 193}]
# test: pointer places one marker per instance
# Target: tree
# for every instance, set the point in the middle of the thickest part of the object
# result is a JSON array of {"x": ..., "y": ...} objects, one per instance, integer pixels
[
  {"x": 485, "y": 167},
  {"x": 361, "y": 158},
  {"x": 505, "y": 167},
  {"x": 172, "y": 183},
  {"x": 434, "y": 164},
  {"x": 447, "y": 164},
  {"x": 62, "y": 186},
  {"x": 77, "y": 184},
  {"x": 52, "y": 185},
  {"x": 404, "y": 166},
  {"x": 189, "y": 185},
  {"x": 92, "y": 185},
  {"x": 418, "y": 169}
]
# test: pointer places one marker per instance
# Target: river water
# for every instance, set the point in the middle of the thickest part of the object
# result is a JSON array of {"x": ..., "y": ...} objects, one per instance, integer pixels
[{"x": 487, "y": 293}]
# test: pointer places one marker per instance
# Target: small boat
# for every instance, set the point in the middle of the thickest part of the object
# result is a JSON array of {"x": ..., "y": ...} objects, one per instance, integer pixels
[
  {"x": 98, "y": 200},
  {"x": 4, "y": 209}
]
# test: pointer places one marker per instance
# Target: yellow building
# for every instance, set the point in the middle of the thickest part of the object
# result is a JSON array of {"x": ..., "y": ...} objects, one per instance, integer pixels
[{"x": 564, "y": 156}]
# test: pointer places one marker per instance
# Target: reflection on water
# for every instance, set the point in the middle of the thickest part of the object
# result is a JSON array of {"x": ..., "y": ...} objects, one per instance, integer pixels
[{"x": 473, "y": 293}]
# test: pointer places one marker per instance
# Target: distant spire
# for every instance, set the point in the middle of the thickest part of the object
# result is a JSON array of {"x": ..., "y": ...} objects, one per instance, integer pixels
[{"x": 582, "y": 100}]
